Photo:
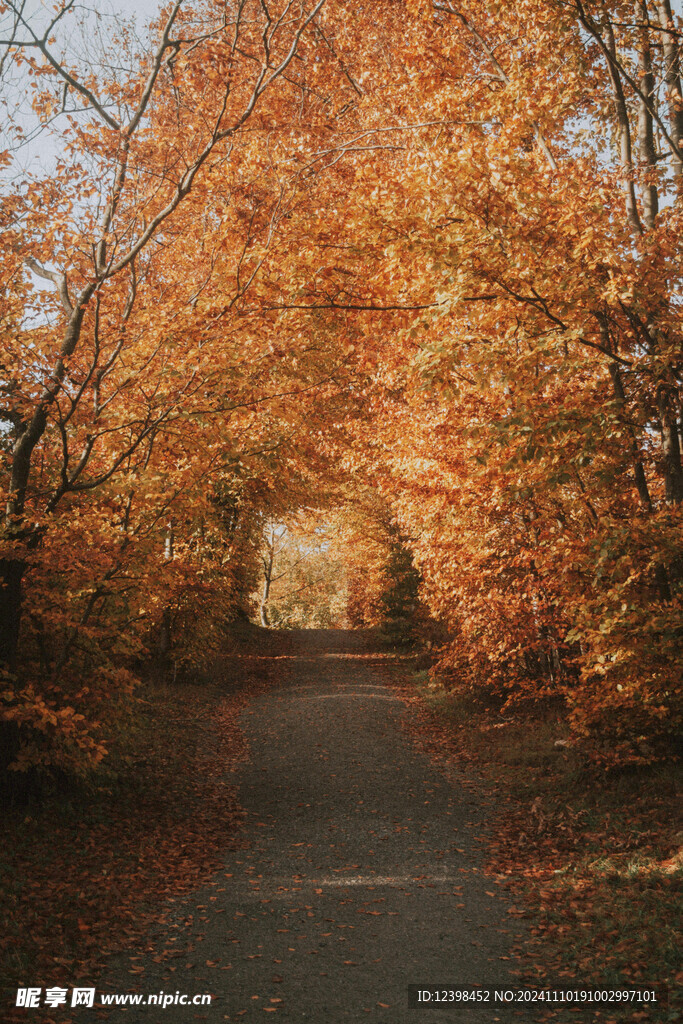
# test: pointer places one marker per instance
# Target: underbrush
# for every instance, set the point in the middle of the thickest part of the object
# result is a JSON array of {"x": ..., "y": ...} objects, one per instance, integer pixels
[
  {"x": 85, "y": 870},
  {"x": 593, "y": 859}
]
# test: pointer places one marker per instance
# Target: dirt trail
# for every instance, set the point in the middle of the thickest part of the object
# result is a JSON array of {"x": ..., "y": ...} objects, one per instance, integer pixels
[{"x": 360, "y": 870}]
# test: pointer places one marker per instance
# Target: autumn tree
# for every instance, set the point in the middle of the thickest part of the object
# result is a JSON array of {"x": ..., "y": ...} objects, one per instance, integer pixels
[
  {"x": 518, "y": 186},
  {"x": 127, "y": 382},
  {"x": 431, "y": 254},
  {"x": 546, "y": 448}
]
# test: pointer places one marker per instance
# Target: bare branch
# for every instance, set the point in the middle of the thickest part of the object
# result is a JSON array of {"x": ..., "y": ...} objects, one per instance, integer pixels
[
  {"x": 57, "y": 279},
  {"x": 351, "y": 306},
  {"x": 41, "y": 44}
]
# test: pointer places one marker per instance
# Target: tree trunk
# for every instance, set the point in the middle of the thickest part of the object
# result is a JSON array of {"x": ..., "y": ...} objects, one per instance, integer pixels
[
  {"x": 267, "y": 580},
  {"x": 11, "y": 575},
  {"x": 638, "y": 468},
  {"x": 266, "y": 591},
  {"x": 672, "y": 78},
  {"x": 165, "y": 634},
  {"x": 661, "y": 574},
  {"x": 625, "y": 147},
  {"x": 671, "y": 447},
  {"x": 646, "y": 138}
]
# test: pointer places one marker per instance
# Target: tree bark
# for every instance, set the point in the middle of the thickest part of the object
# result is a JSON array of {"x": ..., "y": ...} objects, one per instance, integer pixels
[
  {"x": 35, "y": 428},
  {"x": 11, "y": 576},
  {"x": 672, "y": 79},
  {"x": 661, "y": 574},
  {"x": 671, "y": 447},
  {"x": 165, "y": 637},
  {"x": 646, "y": 138},
  {"x": 267, "y": 579},
  {"x": 638, "y": 468},
  {"x": 625, "y": 147}
]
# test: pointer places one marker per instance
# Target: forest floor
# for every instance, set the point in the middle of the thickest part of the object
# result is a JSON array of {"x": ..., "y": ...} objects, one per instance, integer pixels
[
  {"x": 594, "y": 861},
  {"x": 306, "y": 834}
]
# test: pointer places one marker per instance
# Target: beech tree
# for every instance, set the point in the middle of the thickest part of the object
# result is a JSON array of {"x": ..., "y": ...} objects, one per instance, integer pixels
[
  {"x": 122, "y": 374},
  {"x": 147, "y": 138},
  {"x": 525, "y": 423},
  {"x": 550, "y": 430},
  {"x": 423, "y": 263}
]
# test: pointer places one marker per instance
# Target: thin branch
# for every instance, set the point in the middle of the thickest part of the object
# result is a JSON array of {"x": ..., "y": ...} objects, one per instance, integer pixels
[
  {"x": 589, "y": 24},
  {"x": 41, "y": 44},
  {"x": 447, "y": 9},
  {"x": 352, "y": 306}
]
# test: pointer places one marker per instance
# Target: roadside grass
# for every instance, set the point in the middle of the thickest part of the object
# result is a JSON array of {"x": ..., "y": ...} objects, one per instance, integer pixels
[{"x": 593, "y": 860}]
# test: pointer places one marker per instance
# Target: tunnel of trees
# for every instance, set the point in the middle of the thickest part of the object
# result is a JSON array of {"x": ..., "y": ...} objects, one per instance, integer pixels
[{"x": 327, "y": 320}]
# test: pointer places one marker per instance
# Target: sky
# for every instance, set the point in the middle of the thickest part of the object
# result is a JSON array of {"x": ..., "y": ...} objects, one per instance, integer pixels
[
  {"x": 97, "y": 18},
  {"x": 88, "y": 22}
]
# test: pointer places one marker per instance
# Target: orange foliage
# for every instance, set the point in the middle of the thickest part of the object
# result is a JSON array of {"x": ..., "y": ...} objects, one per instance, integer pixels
[{"x": 430, "y": 254}]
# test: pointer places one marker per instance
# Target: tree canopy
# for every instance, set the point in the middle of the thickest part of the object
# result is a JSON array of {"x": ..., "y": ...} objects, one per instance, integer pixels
[{"x": 411, "y": 277}]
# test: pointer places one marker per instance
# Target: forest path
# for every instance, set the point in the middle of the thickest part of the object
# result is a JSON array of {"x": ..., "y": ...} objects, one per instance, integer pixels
[{"x": 359, "y": 870}]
